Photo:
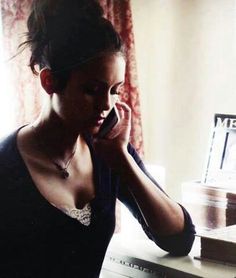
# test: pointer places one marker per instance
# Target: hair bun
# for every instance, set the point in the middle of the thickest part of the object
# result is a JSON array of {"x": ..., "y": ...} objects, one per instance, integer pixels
[
  {"x": 75, "y": 8},
  {"x": 64, "y": 34},
  {"x": 49, "y": 16}
]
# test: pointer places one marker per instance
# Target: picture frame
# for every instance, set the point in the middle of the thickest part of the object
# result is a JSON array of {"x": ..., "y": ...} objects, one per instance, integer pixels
[{"x": 220, "y": 168}]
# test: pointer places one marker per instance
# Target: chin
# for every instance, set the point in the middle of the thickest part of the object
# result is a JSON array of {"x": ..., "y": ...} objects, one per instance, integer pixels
[{"x": 93, "y": 130}]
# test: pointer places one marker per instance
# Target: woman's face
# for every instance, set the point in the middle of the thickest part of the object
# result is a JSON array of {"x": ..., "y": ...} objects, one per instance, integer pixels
[{"x": 91, "y": 93}]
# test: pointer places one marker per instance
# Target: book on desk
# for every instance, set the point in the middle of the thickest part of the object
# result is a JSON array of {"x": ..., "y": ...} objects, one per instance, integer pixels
[{"x": 219, "y": 245}]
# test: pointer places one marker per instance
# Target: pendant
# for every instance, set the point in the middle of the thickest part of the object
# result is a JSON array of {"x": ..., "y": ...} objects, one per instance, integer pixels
[
  {"x": 63, "y": 171},
  {"x": 64, "y": 174}
]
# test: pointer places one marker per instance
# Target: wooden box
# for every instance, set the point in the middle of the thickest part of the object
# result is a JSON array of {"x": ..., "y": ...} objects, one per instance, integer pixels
[{"x": 209, "y": 206}]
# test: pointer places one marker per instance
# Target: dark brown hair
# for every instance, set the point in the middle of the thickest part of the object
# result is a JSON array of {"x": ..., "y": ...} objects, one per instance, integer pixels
[{"x": 65, "y": 34}]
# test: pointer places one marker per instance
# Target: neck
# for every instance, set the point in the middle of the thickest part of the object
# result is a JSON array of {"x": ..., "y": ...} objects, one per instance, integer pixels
[{"x": 57, "y": 140}]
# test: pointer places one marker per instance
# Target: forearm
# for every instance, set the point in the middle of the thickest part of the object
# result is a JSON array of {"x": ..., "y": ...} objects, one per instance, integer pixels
[
  {"x": 163, "y": 220},
  {"x": 161, "y": 214}
]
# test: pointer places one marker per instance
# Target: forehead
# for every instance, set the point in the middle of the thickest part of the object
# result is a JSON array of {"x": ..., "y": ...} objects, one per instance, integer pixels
[{"x": 109, "y": 68}]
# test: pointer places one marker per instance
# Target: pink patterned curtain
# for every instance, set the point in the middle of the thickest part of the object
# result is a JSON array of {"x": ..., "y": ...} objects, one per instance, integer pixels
[{"x": 24, "y": 88}]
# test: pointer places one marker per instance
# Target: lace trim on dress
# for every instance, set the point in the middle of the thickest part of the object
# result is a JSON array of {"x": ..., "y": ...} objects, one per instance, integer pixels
[{"x": 82, "y": 215}]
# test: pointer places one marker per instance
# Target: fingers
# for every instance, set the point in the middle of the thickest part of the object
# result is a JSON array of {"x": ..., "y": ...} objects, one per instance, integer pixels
[
  {"x": 124, "y": 111},
  {"x": 123, "y": 126},
  {"x": 114, "y": 132}
]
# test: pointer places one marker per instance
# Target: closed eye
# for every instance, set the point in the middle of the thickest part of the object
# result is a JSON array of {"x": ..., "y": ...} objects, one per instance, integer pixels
[{"x": 92, "y": 90}]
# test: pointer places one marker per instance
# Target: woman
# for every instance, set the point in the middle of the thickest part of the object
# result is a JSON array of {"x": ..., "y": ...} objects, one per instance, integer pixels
[{"x": 59, "y": 180}]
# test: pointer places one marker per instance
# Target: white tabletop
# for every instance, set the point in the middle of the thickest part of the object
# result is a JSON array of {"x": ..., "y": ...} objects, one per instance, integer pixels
[{"x": 124, "y": 257}]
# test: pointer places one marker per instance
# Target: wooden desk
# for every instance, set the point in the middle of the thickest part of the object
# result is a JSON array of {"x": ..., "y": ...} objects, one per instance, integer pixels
[{"x": 143, "y": 259}]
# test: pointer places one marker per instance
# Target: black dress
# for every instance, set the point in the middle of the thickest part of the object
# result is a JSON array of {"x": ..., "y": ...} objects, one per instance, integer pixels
[{"x": 37, "y": 240}]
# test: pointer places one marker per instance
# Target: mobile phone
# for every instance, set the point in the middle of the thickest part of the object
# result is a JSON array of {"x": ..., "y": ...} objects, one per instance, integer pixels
[{"x": 110, "y": 121}]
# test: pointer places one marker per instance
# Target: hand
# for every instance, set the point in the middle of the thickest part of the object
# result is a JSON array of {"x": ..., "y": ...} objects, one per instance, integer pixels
[
  {"x": 117, "y": 139},
  {"x": 121, "y": 131}
]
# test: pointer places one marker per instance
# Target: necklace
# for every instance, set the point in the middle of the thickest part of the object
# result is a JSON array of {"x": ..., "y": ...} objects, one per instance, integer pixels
[{"x": 62, "y": 169}]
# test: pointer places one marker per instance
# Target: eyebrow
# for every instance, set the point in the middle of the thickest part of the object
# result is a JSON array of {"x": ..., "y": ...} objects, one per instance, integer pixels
[{"x": 105, "y": 83}]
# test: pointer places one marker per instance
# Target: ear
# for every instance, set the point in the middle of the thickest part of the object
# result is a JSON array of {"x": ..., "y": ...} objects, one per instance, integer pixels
[{"x": 47, "y": 80}]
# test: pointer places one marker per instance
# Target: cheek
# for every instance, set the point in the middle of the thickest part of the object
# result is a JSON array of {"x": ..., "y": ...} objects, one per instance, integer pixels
[
  {"x": 88, "y": 103},
  {"x": 83, "y": 102},
  {"x": 77, "y": 108}
]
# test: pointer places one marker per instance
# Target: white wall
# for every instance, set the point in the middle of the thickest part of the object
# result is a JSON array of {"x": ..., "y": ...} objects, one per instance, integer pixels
[{"x": 186, "y": 56}]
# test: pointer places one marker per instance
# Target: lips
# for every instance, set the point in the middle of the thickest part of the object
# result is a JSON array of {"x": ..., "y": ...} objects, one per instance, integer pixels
[{"x": 98, "y": 120}]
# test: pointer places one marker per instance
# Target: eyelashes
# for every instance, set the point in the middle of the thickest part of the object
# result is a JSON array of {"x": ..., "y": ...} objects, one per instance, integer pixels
[
  {"x": 97, "y": 90},
  {"x": 91, "y": 90}
]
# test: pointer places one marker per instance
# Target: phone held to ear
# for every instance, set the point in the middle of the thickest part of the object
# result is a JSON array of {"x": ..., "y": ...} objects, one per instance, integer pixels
[{"x": 110, "y": 121}]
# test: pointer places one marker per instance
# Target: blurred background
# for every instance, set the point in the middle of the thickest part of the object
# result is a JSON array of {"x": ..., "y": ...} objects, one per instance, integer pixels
[{"x": 186, "y": 62}]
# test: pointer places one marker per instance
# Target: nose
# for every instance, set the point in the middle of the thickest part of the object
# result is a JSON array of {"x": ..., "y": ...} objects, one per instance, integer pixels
[{"x": 104, "y": 101}]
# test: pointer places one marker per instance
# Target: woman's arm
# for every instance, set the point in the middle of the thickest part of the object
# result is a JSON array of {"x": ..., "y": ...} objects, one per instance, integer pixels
[
  {"x": 178, "y": 243},
  {"x": 166, "y": 220},
  {"x": 161, "y": 214}
]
